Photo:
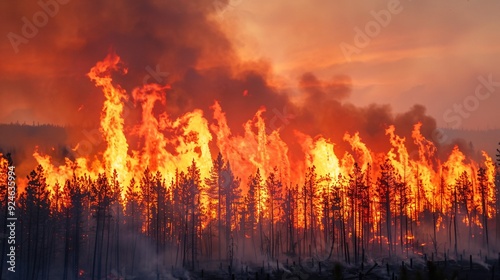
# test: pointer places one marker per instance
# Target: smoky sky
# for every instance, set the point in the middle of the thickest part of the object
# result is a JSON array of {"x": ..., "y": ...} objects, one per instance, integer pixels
[
  {"x": 180, "y": 39},
  {"x": 180, "y": 43}
]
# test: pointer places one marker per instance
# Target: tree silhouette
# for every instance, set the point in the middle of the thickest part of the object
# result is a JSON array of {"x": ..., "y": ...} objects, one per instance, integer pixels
[
  {"x": 190, "y": 191},
  {"x": 463, "y": 186},
  {"x": 290, "y": 216},
  {"x": 84, "y": 228},
  {"x": 215, "y": 191},
  {"x": 483, "y": 190},
  {"x": 36, "y": 222},
  {"x": 386, "y": 183},
  {"x": 231, "y": 193},
  {"x": 75, "y": 198},
  {"x": 274, "y": 197},
  {"x": 101, "y": 198},
  {"x": 132, "y": 221}
]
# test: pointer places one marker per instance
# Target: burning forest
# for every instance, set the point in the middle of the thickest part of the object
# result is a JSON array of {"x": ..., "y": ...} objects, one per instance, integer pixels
[
  {"x": 219, "y": 168},
  {"x": 169, "y": 204}
]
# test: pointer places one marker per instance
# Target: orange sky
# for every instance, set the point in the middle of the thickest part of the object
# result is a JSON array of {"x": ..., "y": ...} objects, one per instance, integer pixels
[{"x": 429, "y": 52}]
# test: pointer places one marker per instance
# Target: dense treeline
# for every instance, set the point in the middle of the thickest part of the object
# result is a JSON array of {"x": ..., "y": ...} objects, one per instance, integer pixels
[{"x": 86, "y": 228}]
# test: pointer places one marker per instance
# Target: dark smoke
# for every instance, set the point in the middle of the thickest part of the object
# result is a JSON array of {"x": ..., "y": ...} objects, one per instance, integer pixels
[
  {"x": 326, "y": 111},
  {"x": 184, "y": 41}
]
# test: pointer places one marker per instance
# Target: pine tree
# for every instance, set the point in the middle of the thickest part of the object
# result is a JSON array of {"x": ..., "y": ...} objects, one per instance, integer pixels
[
  {"x": 355, "y": 194},
  {"x": 190, "y": 186},
  {"x": 483, "y": 190},
  {"x": 289, "y": 213},
  {"x": 385, "y": 190},
  {"x": 257, "y": 184},
  {"x": 132, "y": 221},
  {"x": 101, "y": 197},
  {"x": 158, "y": 193},
  {"x": 309, "y": 197},
  {"x": 274, "y": 197},
  {"x": 231, "y": 192},
  {"x": 74, "y": 206},
  {"x": 36, "y": 204},
  {"x": 463, "y": 186},
  {"x": 215, "y": 192},
  {"x": 251, "y": 206}
]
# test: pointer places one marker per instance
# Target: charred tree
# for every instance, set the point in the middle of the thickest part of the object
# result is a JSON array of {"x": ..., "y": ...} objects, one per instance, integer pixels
[
  {"x": 232, "y": 194},
  {"x": 215, "y": 192},
  {"x": 36, "y": 204},
  {"x": 463, "y": 186},
  {"x": 385, "y": 188},
  {"x": 483, "y": 190},
  {"x": 289, "y": 207},
  {"x": 101, "y": 196},
  {"x": 190, "y": 183},
  {"x": 132, "y": 222},
  {"x": 274, "y": 191}
]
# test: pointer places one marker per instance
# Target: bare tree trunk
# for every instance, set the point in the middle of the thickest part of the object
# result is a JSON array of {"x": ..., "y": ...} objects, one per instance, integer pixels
[
  {"x": 219, "y": 219},
  {"x": 35, "y": 253},
  {"x": 455, "y": 220},
  {"x": 66, "y": 247},
  {"x": 184, "y": 251},
  {"x": 304, "y": 240},
  {"x": 101, "y": 247},
  {"x": 388, "y": 221},
  {"x": 434, "y": 229},
  {"x": 106, "y": 264},
  {"x": 76, "y": 244},
  {"x": 272, "y": 230},
  {"x": 94, "y": 260},
  {"x": 117, "y": 228},
  {"x": 157, "y": 231}
]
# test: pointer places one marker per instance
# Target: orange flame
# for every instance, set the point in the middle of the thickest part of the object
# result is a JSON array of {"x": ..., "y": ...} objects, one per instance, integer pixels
[{"x": 168, "y": 146}]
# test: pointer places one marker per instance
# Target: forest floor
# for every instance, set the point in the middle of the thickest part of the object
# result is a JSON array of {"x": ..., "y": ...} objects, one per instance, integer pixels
[{"x": 380, "y": 269}]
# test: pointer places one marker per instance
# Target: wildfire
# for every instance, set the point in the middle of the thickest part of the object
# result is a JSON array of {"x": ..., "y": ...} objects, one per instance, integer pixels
[
  {"x": 170, "y": 146},
  {"x": 189, "y": 136}
]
